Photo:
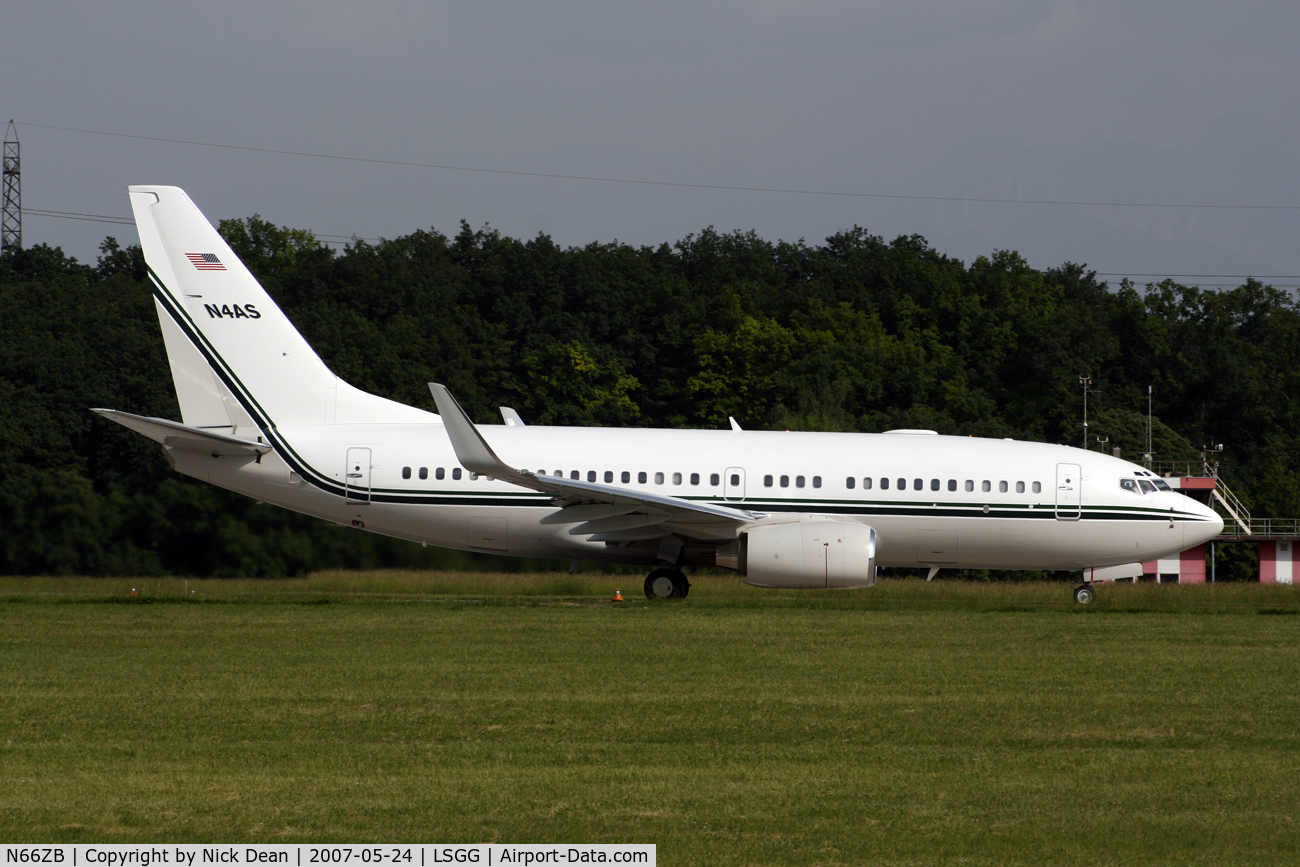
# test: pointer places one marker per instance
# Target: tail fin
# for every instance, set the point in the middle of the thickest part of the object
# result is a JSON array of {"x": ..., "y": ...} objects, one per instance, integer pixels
[{"x": 235, "y": 357}]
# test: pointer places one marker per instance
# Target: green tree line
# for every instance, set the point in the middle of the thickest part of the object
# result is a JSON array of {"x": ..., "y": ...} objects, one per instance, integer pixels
[{"x": 853, "y": 334}]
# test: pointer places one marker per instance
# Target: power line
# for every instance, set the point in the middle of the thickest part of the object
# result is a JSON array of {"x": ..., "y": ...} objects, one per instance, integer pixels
[{"x": 680, "y": 184}]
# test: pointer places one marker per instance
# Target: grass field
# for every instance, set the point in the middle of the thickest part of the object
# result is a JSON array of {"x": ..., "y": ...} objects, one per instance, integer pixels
[{"x": 907, "y": 724}]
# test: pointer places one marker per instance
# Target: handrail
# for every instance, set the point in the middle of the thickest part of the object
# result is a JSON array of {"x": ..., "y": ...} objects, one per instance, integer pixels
[{"x": 1277, "y": 527}]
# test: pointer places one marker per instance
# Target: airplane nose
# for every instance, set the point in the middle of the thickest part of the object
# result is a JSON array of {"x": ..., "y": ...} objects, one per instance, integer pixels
[{"x": 1197, "y": 532}]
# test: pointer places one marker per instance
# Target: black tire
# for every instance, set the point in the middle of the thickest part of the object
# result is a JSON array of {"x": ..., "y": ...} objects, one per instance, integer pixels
[
  {"x": 1084, "y": 594},
  {"x": 680, "y": 585},
  {"x": 660, "y": 584}
]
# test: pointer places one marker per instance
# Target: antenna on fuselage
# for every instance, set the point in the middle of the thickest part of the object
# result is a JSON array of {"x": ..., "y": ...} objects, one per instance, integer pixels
[{"x": 1086, "y": 382}]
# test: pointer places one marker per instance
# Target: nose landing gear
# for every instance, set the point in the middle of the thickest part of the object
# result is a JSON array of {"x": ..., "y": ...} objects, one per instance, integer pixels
[
  {"x": 1084, "y": 594},
  {"x": 666, "y": 584}
]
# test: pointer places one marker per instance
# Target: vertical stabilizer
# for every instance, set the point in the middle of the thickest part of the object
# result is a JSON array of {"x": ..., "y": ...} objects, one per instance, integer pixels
[{"x": 234, "y": 355}]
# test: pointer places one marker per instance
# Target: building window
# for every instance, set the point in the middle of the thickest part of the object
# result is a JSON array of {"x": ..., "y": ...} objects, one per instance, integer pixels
[
  {"x": 785, "y": 481},
  {"x": 659, "y": 478},
  {"x": 850, "y": 483},
  {"x": 406, "y": 472},
  {"x": 798, "y": 481},
  {"x": 424, "y": 472},
  {"x": 695, "y": 478},
  {"x": 866, "y": 483},
  {"x": 640, "y": 478},
  {"x": 440, "y": 474},
  {"x": 455, "y": 473},
  {"x": 767, "y": 481}
]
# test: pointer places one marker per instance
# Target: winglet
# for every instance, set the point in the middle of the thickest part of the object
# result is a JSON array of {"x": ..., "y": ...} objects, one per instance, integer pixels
[
  {"x": 471, "y": 449},
  {"x": 510, "y": 417},
  {"x": 734, "y": 425}
]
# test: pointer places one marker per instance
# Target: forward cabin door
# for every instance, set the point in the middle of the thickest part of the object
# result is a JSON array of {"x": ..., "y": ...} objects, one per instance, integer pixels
[
  {"x": 733, "y": 484},
  {"x": 1069, "y": 492},
  {"x": 356, "y": 476}
]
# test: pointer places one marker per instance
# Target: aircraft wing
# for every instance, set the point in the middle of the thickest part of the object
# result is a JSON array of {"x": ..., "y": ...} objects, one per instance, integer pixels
[
  {"x": 602, "y": 512},
  {"x": 179, "y": 436}
]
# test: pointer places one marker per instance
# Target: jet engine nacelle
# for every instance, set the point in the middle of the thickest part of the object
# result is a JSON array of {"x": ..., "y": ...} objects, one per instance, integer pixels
[{"x": 820, "y": 554}]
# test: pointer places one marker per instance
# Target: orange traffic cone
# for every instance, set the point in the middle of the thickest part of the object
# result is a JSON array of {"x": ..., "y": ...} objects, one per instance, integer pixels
[{"x": 618, "y": 595}]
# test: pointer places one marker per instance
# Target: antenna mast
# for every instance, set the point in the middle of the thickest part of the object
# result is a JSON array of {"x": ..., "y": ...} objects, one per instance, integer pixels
[{"x": 11, "y": 221}]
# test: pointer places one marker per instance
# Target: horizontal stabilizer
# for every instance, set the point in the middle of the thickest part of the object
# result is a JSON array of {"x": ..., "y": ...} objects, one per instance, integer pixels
[{"x": 180, "y": 436}]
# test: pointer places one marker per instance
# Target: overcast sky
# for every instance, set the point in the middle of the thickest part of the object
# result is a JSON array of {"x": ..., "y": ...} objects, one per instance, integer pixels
[{"x": 1168, "y": 102}]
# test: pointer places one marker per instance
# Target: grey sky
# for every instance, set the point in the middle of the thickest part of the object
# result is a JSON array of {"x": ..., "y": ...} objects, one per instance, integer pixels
[{"x": 1168, "y": 102}]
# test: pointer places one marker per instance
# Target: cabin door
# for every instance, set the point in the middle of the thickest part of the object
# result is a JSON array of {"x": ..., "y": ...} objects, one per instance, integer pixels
[
  {"x": 733, "y": 484},
  {"x": 1069, "y": 492},
  {"x": 356, "y": 476}
]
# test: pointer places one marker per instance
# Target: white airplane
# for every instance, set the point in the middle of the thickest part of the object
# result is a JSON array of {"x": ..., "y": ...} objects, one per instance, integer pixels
[{"x": 262, "y": 415}]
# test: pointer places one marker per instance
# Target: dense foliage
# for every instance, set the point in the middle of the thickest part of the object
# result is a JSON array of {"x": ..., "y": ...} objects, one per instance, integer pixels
[{"x": 853, "y": 334}]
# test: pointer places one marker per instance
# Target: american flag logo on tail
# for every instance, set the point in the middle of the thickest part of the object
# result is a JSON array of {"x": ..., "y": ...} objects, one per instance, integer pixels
[{"x": 205, "y": 261}]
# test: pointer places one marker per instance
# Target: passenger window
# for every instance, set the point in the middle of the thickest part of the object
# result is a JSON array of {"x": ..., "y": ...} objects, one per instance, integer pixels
[
  {"x": 735, "y": 480},
  {"x": 424, "y": 472},
  {"x": 918, "y": 484},
  {"x": 798, "y": 481},
  {"x": 902, "y": 484},
  {"x": 934, "y": 484},
  {"x": 884, "y": 484},
  {"x": 695, "y": 478},
  {"x": 850, "y": 483},
  {"x": 970, "y": 485},
  {"x": 1129, "y": 485},
  {"x": 1038, "y": 487},
  {"x": 659, "y": 478},
  {"x": 640, "y": 478},
  {"x": 952, "y": 484},
  {"x": 1020, "y": 487},
  {"x": 767, "y": 481},
  {"x": 609, "y": 476},
  {"x": 715, "y": 479},
  {"x": 406, "y": 472},
  {"x": 591, "y": 475},
  {"x": 473, "y": 477},
  {"x": 986, "y": 486},
  {"x": 817, "y": 481},
  {"x": 866, "y": 483},
  {"x": 455, "y": 473},
  {"x": 575, "y": 475},
  {"x": 677, "y": 478},
  {"x": 1002, "y": 487},
  {"x": 559, "y": 474},
  {"x": 440, "y": 474},
  {"x": 625, "y": 477},
  {"x": 785, "y": 481}
]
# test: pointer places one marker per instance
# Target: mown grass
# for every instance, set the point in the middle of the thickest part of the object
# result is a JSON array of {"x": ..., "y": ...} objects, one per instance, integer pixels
[{"x": 907, "y": 724}]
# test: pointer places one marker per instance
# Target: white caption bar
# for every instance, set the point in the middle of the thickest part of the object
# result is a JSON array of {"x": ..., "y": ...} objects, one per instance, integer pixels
[{"x": 309, "y": 855}]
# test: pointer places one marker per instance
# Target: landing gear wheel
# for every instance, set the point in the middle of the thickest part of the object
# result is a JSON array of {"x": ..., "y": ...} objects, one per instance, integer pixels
[
  {"x": 666, "y": 584},
  {"x": 1083, "y": 594}
]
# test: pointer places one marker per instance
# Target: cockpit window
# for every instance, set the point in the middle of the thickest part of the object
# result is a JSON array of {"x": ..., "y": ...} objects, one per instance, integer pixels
[
  {"x": 1129, "y": 485},
  {"x": 1161, "y": 484},
  {"x": 1147, "y": 487}
]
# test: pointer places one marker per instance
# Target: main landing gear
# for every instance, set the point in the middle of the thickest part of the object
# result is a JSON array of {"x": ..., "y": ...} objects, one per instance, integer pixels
[
  {"x": 666, "y": 584},
  {"x": 1084, "y": 594}
]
